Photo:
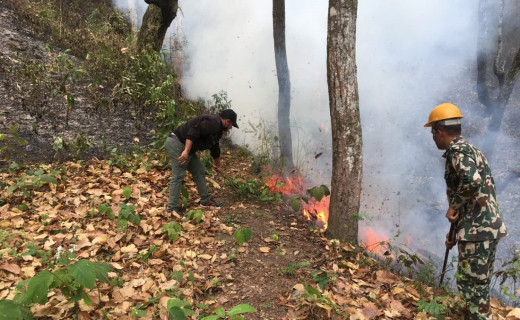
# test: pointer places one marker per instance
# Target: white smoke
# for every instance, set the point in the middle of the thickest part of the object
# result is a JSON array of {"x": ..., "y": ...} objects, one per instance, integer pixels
[{"x": 411, "y": 56}]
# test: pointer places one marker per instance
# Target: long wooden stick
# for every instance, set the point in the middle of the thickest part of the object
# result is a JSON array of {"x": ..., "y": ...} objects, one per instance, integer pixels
[{"x": 450, "y": 238}]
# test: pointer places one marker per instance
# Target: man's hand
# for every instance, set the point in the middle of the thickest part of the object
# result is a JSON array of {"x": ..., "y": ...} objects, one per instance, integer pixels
[
  {"x": 184, "y": 157},
  {"x": 452, "y": 215},
  {"x": 450, "y": 243}
]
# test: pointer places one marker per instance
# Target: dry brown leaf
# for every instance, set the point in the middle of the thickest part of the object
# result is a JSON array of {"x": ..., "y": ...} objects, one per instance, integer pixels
[
  {"x": 102, "y": 239},
  {"x": 168, "y": 284},
  {"x": 513, "y": 314},
  {"x": 386, "y": 277},
  {"x": 83, "y": 242},
  {"x": 264, "y": 249},
  {"x": 13, "y": 268},
  {"x": 28, "y": 272},
  {"x": 371, "y": 311},
  {"x": 129, "y": 249}
]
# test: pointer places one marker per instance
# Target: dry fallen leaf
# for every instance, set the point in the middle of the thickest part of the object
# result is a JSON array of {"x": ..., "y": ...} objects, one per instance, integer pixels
[
  {"x": 264, "y": 249},
  {"x": 129, "y": 249},
  {"x": 13, "y": 268},
  {"x": 514, "y": 314}
]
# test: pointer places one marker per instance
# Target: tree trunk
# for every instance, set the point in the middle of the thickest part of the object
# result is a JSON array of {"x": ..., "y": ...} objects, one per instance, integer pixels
[
  {"x": 495, "y": 85},
  {"x": 156, "y": 20},
  {"x": 284, "y": 84},
  {"x": 347, "y": 160}
]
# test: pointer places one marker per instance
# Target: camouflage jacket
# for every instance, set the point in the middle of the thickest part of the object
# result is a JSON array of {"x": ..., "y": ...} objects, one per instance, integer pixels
[{"x": 471, "y": 191}]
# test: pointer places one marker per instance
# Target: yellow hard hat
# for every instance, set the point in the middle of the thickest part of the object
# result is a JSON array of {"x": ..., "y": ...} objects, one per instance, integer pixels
[{"x": 442, "y": 112}]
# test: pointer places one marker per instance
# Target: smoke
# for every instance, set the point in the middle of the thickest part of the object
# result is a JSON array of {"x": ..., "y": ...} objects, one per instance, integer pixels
[{"x": 411, "y": 56}]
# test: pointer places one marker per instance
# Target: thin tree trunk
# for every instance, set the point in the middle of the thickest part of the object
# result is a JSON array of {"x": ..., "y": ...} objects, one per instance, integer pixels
[
  {"x": 347, "y": 162},
  {"x": 156, "y": 21},
  {"x": 284, "y": 84}
]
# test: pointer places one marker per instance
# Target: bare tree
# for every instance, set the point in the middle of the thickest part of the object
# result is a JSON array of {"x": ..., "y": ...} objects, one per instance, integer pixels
[
  {"x": 156, "y": 21},
  {"x": 497, "y": 74},
  {"x": 347, "y": 162},
  {"x": 284, "y": 84}
]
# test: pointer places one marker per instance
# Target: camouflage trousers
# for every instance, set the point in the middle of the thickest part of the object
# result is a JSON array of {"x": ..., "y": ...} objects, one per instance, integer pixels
[{"x": 474, "y": 270}]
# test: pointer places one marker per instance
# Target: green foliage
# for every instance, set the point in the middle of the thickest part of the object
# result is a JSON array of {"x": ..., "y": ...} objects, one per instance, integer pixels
[
  {"x": 314, "y": 294},
  {"x": 13, "y": 311},
  {"x": 172, "y": 229},
  {"x": 33, "y": 180},
  {"x": 242, "y": 235},
  {"x": 220, "y": 102},
  {"x": 195, "y": 215},
  {"x": 146, "y": 84},
  {"x": 252, "y": 188},
  {"x": 290, "y": 270},
  {"x": 127, "y": 214},
  {"x": 319, "y": 192},
  {"x": 234, "y": 313},
  {"x": 79, "y": 144},
  {"x": 184, "y": 196},
  {"x": 11, "y": 143},
  {"x": 71, "y": 281},
  {"x": 511, "y": 272},
  {"x": 434, "y": 307},
  {"x": 296, "y": 202},
  {"x": 323, "y": 278},
  {"x": 104, "y": 209},
  {"x": 146, "y": 255},
  {"x": 178, "y": 309},
  {"x": 127, "y": 192}
]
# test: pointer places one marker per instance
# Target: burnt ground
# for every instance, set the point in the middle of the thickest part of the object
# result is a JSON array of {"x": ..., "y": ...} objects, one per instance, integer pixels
[{"x": 45, "y": 116}]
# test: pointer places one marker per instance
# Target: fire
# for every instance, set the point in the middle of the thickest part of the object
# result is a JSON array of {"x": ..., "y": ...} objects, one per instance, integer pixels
[
  {"x": 374, "y": 242},
  {"x": 295, "y": 185},
  {"x": 319, "y": 210}
]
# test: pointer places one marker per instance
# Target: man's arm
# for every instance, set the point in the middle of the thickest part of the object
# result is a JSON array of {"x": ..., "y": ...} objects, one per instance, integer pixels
[{"x": 186, "y": 152}]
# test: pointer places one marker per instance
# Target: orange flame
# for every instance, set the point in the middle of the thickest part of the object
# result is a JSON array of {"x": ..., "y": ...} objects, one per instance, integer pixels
[
  {"x": 374, "y": 242},
  {"x": 292, "y": 186}
]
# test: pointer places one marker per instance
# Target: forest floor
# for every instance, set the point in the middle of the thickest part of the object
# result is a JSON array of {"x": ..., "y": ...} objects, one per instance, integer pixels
[{"x": 287, "y": 270}]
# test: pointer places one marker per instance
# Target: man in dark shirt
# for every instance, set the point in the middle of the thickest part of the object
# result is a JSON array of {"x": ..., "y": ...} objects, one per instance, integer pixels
[{"x": 199, "y": 133}]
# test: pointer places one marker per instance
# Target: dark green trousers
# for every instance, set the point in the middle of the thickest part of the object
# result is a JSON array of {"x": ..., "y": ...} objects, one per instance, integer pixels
[
  {"x": 174, "y": 148},
  {"x": 474, "y": 269}
]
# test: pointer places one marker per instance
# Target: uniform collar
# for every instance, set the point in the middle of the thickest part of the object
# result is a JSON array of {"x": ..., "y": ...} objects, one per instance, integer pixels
[{"x": 452, "y": 143}]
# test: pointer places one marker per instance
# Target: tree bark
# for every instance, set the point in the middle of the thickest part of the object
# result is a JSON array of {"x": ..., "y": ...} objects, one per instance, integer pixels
[
  {"x": 284, "y": 84},
  {"x": 347, "y": 160},
  {"x": 156, "y": 21},
  {"x": 495, "y": 85}
]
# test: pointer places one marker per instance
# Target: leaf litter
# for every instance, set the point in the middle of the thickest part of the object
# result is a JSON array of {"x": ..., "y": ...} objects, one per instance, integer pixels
[{"x": 286, "y": 270}]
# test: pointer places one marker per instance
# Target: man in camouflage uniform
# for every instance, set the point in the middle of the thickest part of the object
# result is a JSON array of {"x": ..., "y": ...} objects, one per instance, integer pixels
[{"x": 473, "y": 208}]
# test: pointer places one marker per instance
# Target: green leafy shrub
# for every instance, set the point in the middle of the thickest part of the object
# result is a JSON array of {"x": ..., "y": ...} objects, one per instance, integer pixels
[
  {"x": 11, "y": 144},
  {"x": 71, "y": 281},
  {"x": 127, "y": 214},
  {"x": 242, "y": 235},
  {"x": 172, "y": 229},
  {"x": 33, "y": 180}
]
